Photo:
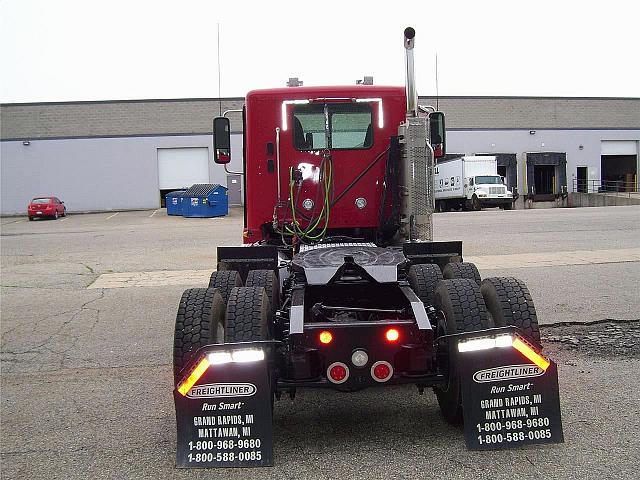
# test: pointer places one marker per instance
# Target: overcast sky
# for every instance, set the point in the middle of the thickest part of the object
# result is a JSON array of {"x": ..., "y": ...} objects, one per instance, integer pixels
[{"x": 59, "y": 50}]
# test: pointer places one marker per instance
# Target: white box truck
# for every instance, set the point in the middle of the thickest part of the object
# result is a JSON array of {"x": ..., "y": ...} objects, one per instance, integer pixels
[{"x": 470, "y": 183}]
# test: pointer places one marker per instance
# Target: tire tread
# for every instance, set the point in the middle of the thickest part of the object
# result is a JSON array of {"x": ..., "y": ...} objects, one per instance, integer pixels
[
  {"x": 248, "y": 315},
  {"x": 224, "y": 281},
  {"x": 423, "y": 279},
  {"x": 195, "y": 324},
  {"x": 515, "y": 303},
  {"x": 461, "y": 270}
]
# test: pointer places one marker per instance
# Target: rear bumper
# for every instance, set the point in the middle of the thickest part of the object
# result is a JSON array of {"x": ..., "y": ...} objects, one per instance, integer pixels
[{"x": 411, "y": 357}]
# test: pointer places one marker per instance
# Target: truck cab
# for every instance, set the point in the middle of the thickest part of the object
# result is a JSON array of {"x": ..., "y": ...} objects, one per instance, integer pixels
[
  {"x": 490, "y": 190},
  {"x": 290, "y": 132},
  {"x": 469, "y": 183}
]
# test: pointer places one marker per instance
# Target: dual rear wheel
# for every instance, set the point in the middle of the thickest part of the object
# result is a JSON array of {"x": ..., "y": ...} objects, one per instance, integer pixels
[
  {"x": 226, "y": 312},
  {"x": 468, "y": 307},
  {"x": 469, "y": 304}
]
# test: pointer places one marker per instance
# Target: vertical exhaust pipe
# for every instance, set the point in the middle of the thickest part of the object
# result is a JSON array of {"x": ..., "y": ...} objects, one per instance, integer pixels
[
  {"x": 416, "y": 165},
  {"x": 410, "y": 73}
]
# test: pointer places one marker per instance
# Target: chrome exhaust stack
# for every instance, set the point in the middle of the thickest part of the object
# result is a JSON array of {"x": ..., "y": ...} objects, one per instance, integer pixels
[
  {"x": 410, "y": 73},
  {"x": 416, "y": 166}
]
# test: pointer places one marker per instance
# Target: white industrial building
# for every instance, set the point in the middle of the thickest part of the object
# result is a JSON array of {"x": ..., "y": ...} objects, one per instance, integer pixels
[{"x": 118, "y": 155}]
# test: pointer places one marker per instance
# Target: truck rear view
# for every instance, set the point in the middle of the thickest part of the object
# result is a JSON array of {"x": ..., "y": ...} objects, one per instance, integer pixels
[{"x": 339, "y": 284}]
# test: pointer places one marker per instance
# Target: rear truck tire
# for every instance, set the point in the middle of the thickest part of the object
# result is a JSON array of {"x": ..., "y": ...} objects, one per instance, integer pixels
[
  {"x": 199, "y": 322},
  {"x": 423, "y": 279},
  {"x": 269, "y": 281},
  {"x": 224, "y": 266},
  {"x": 461, "y": 270},
  {"x": 224, "y": 281},
  {"x": 509, "y": 302},
  {"x": 248, "y": 316},
  {"x": 475, "y": 203},
  {"x": 462, "y": 305},
  {"x": 508, "y": 206}
]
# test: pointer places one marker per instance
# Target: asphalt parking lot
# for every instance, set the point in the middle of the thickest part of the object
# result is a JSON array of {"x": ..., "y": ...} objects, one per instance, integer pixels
[{"x": 87, "y": 310}]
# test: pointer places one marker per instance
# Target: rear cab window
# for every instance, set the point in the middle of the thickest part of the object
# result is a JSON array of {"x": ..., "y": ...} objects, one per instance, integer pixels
[{"x": 336, "y": 126}]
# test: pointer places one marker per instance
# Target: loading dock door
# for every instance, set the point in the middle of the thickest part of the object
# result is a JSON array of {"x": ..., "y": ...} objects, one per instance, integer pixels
[
  {"x": 546, "y": 175},
  {"x": 619, "y": 166},
  {"x": 545, "y": 179},
  {"x": 182, "y": 167}
]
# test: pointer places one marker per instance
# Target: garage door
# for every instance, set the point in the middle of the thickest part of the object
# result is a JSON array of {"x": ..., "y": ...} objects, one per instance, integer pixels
[
  {"x": 182, "y": 167},
  {"x": 619, "y": 147}
]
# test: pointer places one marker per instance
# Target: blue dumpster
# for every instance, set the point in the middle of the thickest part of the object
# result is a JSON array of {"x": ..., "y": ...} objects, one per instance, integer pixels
[
  {"x": 174, "y": 202},
  {"x": 204, "y": 200}
]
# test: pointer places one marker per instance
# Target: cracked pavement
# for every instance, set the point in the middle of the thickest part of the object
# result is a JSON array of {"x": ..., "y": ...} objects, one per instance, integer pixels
[{"x": 86, "y": 372}]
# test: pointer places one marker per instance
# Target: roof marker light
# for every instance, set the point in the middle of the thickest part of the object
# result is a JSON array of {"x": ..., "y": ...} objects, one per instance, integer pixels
[{"x": 186, "y": 385}]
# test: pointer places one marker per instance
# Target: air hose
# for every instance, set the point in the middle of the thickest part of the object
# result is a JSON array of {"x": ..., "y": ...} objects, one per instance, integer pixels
[{"x": 326, "y": 184}]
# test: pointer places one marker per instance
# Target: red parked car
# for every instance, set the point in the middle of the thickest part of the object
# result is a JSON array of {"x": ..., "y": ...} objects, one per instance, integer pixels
[{"x": 46, "y": 207}]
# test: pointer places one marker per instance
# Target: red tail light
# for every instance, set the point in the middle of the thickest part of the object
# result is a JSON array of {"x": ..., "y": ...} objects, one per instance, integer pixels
[
  {"x": 381, "y": 371},
  {"x": 338, "y": 372}
]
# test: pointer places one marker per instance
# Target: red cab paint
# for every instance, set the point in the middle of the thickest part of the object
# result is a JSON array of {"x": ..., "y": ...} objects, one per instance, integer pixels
[{"x": 270, "y": 122}]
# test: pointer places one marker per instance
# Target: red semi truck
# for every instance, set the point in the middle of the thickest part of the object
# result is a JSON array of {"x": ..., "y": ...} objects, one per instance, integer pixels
[{"x": 339, "y": 283}]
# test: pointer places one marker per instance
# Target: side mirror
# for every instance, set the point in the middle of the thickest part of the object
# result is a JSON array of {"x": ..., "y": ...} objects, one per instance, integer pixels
[
  {"x": 221, "y": 140},
  {"x": 437, "y": 134}
]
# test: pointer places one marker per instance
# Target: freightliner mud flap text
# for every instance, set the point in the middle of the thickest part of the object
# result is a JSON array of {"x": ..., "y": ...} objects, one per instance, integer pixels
[
  {"x": 509, "y": 393},
  {"x": 223, "y": 408}
]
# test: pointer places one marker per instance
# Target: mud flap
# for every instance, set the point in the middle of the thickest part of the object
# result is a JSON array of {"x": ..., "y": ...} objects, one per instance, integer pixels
[
  {"x": 510, "y": 393},
  {"x": 224, "y": 408}
]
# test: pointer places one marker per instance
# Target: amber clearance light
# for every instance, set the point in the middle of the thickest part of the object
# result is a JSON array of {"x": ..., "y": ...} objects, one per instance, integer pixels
[
  {"x": 326, "y": 337},
  {"x": 194, "y": 377}
]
